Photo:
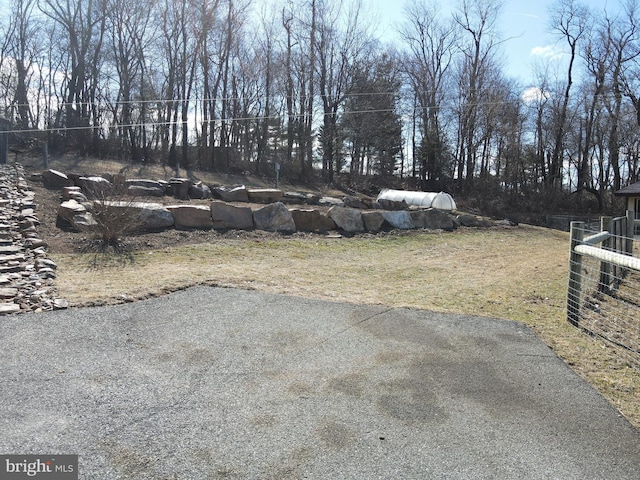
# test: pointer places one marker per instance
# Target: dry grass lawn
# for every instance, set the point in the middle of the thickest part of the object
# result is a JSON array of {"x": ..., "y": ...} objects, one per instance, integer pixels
[{"x": 517, "y": 274}]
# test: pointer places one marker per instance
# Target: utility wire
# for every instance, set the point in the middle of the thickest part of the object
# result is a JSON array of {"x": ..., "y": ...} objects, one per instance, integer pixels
[
  {"x": 243, "y": 99},
  {"x": 170, "y": 123}
]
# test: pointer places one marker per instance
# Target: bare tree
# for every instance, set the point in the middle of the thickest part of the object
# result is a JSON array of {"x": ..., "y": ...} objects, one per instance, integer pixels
[
  {"x": 431, "y": 43},
  {"x": 129, "y": 35},
  {"x": 539, "y": 102},
  {"x": 24, "y": 46},
  {"x": 597, "y": 56},
  {"x": 215, "y": 50},
  {"x": 265, "y": 58},
  {"x": 623, "y": 35},
  {"x": 569, "y": 20},
  {"x": 7, "y": 29},
  {"x": 183, "y": 39},
  {"x": 83, "y": 23},
  {"x": 340, "y": 48},
  {"x": 478, "y": 21},
  {"x": 300, "y": 22},
  {"x": 287, "y": 24},
  {"x": 307, "y": 107}
]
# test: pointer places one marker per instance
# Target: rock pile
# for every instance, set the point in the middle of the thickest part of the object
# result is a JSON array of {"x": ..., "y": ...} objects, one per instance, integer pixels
[
  {"x": 349, "y": 214},
  {"x": 26, "y": 274}
]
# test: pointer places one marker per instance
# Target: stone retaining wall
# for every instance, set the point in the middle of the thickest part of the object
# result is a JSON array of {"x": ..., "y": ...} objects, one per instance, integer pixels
[
  {"x": 284, "y": 211},
  {"x": 26, "y": 274}
]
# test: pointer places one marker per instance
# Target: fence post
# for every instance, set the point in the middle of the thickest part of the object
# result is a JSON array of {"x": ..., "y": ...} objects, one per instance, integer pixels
[
  {"x": 4, "y": 140},
  {"x": 574, "y": 291},
  {"x": 45, "y": 151},
  {"x": 604, "y": 285},
  {"x": 631, "y": 230}
]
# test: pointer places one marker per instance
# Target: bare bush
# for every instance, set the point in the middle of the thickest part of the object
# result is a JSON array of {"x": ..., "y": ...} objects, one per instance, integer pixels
[{"x": 114, "y": 215}]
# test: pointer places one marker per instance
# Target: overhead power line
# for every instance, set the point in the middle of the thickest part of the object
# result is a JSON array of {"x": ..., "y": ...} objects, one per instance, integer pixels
[
  {"x": 106, "y": 104},
  {"x": 167, "y": 101},
  {"x": 110, "y": 126}
]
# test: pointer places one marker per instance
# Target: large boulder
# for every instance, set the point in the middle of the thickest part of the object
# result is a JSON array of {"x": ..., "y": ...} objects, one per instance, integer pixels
[
  {"x": 227, "y": 216},
  {"x": 347, "y": 219},
  {"x": 299, "y": 198},
  {"x": 200, "y": 191},
  {"x": 73, "y": 214},
  {"x": 73, "y": 193},
  {"x": 28, "y": 200},
  {"x": 331, "y": 202},
  {"x": 310, "y": 220},
  {"x": 56, "y": 180},
  {"x": 432, "y": 219},
  {"x": 140, "y": 191},
  {"x": 84, "y": 222},
  {"x": 274, "y": 217},
  {"x": 96, "y": 187},
  {"x": 237, "y": 193},
  {"x": 264, "y": 195},
  {"x": 69, "y": 208},
  {"x": 144, "y": 188},
  {"x": 400, "y": 219},
  {"x": 467, "y": 220},
  {"x": 179, "y": 188},
  {"x": 362, "y": 203},
  {"x": 392, "y": 204},
  {"x": 142, "y": 182},
  {"x": 373, "y": 221},
  {"x": 151, "y": 216},
  {"x": 191, "y": 216}
]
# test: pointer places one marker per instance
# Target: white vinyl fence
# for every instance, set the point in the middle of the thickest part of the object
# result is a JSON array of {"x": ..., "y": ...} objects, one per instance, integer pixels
[{"x": 603, "y": 297}]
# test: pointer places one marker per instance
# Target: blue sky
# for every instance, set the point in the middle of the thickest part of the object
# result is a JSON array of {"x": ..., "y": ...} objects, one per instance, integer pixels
[{"x": 524, "y": 22}]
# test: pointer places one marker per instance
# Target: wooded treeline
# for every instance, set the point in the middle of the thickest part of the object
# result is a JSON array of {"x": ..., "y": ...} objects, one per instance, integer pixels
[{"x": 242, "y": 84}]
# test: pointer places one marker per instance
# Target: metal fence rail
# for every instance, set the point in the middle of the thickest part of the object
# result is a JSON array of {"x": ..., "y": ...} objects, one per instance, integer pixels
[
  {"x": 603, "y": 296},
  {"x": 563, "y": 222}
]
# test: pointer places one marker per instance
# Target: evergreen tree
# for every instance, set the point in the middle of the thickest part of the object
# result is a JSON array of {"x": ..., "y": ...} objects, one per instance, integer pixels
[{"x": 371, "y": 124}]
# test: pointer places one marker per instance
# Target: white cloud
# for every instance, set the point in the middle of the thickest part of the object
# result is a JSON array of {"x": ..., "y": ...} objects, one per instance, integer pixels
[
  {"x": 550, "y": 52},
  {"x": 534, "y": 94}
]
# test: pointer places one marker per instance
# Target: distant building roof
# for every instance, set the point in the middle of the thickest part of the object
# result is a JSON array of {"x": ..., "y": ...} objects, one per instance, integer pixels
[{"x": 630, "y": 191}]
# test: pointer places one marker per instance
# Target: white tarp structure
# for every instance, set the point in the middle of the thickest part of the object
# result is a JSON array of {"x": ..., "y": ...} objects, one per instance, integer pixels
[{"x": 440, "y": 200}]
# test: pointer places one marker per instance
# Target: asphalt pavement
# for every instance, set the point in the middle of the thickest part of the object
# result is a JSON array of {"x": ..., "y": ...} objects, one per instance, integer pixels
[{"x": 224, "y": 383}]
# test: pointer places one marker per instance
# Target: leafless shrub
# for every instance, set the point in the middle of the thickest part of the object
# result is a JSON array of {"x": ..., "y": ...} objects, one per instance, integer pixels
[{"x": 114, "y": 215}]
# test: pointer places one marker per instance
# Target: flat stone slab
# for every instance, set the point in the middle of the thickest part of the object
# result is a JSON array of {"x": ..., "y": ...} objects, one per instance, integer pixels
[
  {"x": 11, "y": 268},
  {"x": 152, "y": 216},
  {"x": 225, "y": 215},
  {"x": 8, "y": 292},
  {"x": 17, "y": 257},
  {"x": 264, "y": 195},
  {"x": 191, "y": 216},
  {"x": 6, "y": 308},
  {"x": 210, "y": 383}
]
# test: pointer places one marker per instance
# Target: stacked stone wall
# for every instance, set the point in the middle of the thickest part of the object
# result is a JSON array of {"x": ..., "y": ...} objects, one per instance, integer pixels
[
  {"x": 285, "y": 212},
  {"x": 26, "y": 273}
]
